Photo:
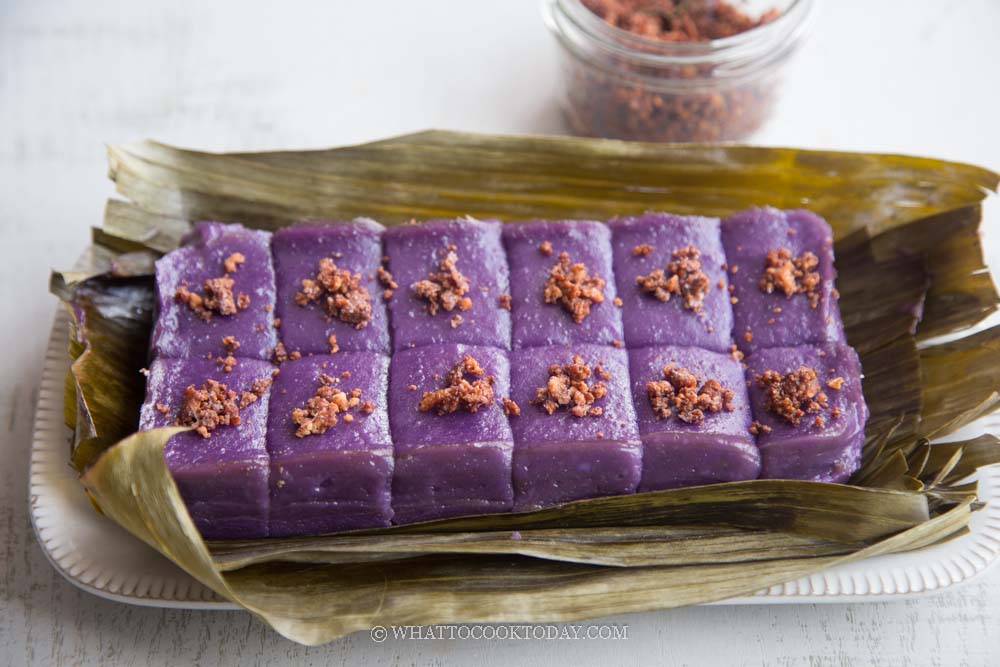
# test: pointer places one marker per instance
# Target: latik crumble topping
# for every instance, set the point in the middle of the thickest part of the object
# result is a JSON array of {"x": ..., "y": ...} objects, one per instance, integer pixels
[
  {"x": 229, "y": 346},
  {"x": 280, "y": 354},
  {"x": 387, "y": 281},
  {"x": 217, "y": 297},
  {"x": 444, "y": 289},
  {"x": 321, "y": 410},
  {"x": 793, "y": 395},
  {"x": 641, "y": 250},
  {"x": 505, "y": 301},
  {"x": 792, "y": 275},
  {"x": 572, "y": 286},
  {"x": 213, "y": 404},
  {"x": 680, "y": 394},
  {"x": 510, "y": 407},
  {"x": 568, "y": 387},
  {"x": 683, "y": 277},
  {"x": 341, "y": 293},
  {"x": 459, "y": 393}
]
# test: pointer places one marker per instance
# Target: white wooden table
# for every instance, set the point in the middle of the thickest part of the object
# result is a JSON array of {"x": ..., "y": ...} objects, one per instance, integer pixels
[{"x": 914, "y": 76}]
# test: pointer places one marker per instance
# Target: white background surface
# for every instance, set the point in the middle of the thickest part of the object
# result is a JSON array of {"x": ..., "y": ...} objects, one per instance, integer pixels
[{"x": 902, "y": 76}]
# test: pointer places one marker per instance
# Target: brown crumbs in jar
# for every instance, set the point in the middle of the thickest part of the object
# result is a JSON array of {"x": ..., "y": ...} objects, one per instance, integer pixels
[
  {"x": 568, "y": 387},
  {"x": 683, "y": 277},
  {"x": 791, "y": 275},
  {"x": 321, "y": 410},
  {"x": 208, "y": 407},
  {"x": 444, "y": 289},
  {"x": 680, "y": 394},
  {"x": 642, "y": 250},
  {"x": 573, "y": 287},
  {"x": 792, "y": 395},
  {"x": 339, "y": 291},
  {"x": 459, "y": 392},
  {"x": 510, "y": 407}
]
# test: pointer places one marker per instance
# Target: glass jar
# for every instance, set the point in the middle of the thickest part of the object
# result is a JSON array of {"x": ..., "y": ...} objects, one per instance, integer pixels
[{"x": 620, "y": 85}]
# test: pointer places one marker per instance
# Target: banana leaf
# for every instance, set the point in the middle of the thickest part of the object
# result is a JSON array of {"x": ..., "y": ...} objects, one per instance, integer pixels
[{"x": 911, "y": 270}]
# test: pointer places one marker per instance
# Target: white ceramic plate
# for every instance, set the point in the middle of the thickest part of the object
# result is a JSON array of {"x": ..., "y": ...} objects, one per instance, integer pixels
[{"x": 94, "y": 553}]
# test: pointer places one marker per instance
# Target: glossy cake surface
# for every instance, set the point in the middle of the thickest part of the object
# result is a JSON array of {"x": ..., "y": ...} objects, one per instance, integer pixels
[{"x": 345, "y": 376}]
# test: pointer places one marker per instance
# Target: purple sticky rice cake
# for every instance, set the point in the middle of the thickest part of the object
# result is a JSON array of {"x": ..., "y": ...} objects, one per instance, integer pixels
[
  {"x": 538, "y": 323},
  {"x": 649, "y": 321},
  {"x": 340, "y": 479},
  {"x": 179, "y": 331},
  {"x": 676, "y": 453},
  {"x": 415, "y": 251},
  {"x": 776, "y": 320},
  {"x": 827, "y": 453},
  {"x": 222, "y": 479},
  {"x": 354, "y": 246},
  {"x": 452, "y": 464},
  {"x": 560, "y": 457}
]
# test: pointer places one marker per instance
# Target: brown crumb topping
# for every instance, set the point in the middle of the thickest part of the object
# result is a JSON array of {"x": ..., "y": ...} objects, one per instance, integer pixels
[
  {"x": 162, "y": 408},
  {"x": 792, "y": 275},
  {"x": 735, "y": 353},
  {"x": 835, "y": 383},
  {"x": 280, "y": 354},
  {"x": 216, "y": 298},
  {"x": 228, "y": 362},
  {"x": 568, "y": 387},
  {"x": 445, "y": 288},
  {"x": 792, "y": 395},
  {"x": 683, "y": 278},
  {"x": 505, "y": 301},
  {"x": 680, "y": 394},
  {"x": 572, "y": 286},
  {"x": 233, "y": 262},
  {"x": 510, "y": 407},
  {"x": 459, "y": 393},
  {"x": 339, "y": 291},
  {"x": 545, "y": 247},
  {"x": 213, "y": 404},
  {"x": 757, "y": 428},
  {"x": 332, "y": 342},
  {"x": 321, "y": 410},
  {"x": 455, "y": 321},
  {"x": 208, "y": 407},
  {"x": 642, "y": 250}
]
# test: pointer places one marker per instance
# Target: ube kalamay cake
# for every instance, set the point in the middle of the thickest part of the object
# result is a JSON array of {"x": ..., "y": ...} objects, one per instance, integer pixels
[
  {"x": 782, "y": 274},
  {"x": 575, "y": 431},
  {"x": 219, "y": 284},
  {"x": 452, "y": 283},
  {"x": 562, "y": 284},
  {"x": 329, "y": 444},
  {"x": 220, "y": 467},
  {"x": 452, "y": 440},
  {"x": 670, "y": 277},
  {"x": 330, "y": 287},
  {"x": 809, "y": 411},
  {"x": 694, "y": 417}
]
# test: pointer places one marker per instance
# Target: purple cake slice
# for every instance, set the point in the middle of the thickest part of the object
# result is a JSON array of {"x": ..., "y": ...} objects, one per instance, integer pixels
[
  {"x": 223, "y": 478},
  {"x": 219, "y": 284},
  {"x": 452, "y": 440},
  {"x": 671, "y": 282},
  {"x": 341, "y": 295},
  {"x": 809, "y": 411},
  {"x": 328, "y": 438},
  {"x": 572, "y": 442},
  {"x": 694, "y": 418},
  {"x": 562, "y": 284},
  {"x": 452, "y": 277},
  {"x": 782, "y": 273}
]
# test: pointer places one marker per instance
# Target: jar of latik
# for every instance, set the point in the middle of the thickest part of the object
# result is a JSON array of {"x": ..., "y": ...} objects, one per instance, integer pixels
[{"x": 673, "y": 70}]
